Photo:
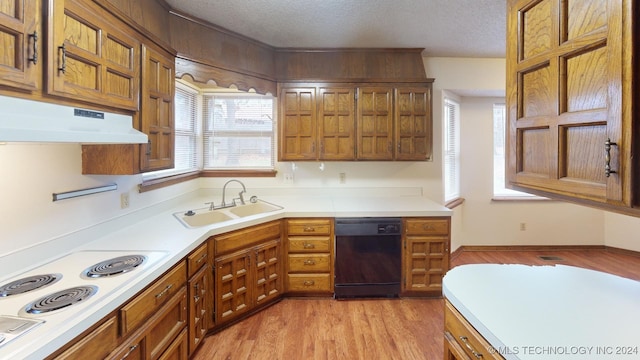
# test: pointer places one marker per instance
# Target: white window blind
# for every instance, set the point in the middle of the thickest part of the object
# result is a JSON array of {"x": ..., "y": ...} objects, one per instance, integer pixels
[
  {"x": 451, "y": 113},
  {"x": 238, "y": 132}
]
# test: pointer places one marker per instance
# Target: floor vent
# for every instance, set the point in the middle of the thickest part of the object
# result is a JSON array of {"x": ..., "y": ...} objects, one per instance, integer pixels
[{"x": 550, "y": 258}]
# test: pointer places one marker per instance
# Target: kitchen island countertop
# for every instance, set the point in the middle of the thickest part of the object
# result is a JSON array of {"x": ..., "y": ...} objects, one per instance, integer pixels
[{"x": 548, "y": 312}]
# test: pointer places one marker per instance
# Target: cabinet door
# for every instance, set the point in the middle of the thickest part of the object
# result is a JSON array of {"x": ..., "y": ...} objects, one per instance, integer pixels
[
  {"x": 158, "y": 86},
  {"x": 298, "y": 124},
  {"x": 375, "y": 123},
  {"x": 566, "y": 80},
  {"x": 233, "y": 284},
  {"x": 89, "y": 58},
  {"x": 413, "y": 131},
  {"x": 198, "y": 315},
  {"x": 268, "y": 272},
  {"x": 336, "y": 117},
  {"x": 426, "y": 260},
  {"x": 20, "y": 39}
]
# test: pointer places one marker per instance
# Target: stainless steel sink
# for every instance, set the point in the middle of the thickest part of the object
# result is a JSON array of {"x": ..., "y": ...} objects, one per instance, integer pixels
[{"x": 206, "y": 216}]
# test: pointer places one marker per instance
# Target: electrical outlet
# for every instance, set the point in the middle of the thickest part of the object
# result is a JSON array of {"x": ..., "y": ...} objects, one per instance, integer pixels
[
  {"x": 288, "y": 178},
  {"x": 343, "y": 178},
  {"x": 523, "y": 226},
  {"x": 124, "y": 200}
]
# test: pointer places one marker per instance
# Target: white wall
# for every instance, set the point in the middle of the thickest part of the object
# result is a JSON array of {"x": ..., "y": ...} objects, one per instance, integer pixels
[
  {"x": 479, "y": 83},
  {"x": 32, "y": 172}
]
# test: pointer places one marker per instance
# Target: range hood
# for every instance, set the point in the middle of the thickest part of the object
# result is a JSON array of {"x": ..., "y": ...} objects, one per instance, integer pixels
[{"x": 35, "y": 121}]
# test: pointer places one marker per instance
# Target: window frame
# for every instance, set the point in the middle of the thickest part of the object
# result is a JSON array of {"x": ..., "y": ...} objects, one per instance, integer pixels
[{"x": 451, "y": 147}]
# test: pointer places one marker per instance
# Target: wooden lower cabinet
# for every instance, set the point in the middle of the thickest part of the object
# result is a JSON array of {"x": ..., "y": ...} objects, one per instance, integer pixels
[
  {"x": 247, "y": 270},
  {"x": 159, "y": 332},
  {"x": 461, "y": 340},
  {"x": 425, "y": 258},
  {"x": 198, "y": 288},
  {"x": 95, "y": 345},
  {"x": 309, "y": 256}
]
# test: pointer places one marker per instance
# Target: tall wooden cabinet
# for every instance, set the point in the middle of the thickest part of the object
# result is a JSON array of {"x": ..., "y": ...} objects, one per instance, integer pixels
[
  {"x": 570, "y": 96},
  {"x": 157, "y": 118},
  {"x": 21, "y": 40},
  {"x": 325, "y": 121}
]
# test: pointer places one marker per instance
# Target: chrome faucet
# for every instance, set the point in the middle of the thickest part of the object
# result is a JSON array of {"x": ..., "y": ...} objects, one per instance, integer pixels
[{"x": 240, "y": 194}]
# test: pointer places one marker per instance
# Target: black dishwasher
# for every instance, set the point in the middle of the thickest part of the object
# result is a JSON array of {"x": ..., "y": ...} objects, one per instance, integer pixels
[{"x": 368, "y": 257}]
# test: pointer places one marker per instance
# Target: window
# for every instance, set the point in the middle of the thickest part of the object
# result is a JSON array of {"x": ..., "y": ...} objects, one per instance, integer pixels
[
  {"x": 238, "y": 132},
  {"x": 499, "y": 154},
  {"x": 221, "y": 131},
  {"x": 451, "y": 113}
]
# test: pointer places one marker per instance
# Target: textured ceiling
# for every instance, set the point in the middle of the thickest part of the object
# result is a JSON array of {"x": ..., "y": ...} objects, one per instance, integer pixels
[{"x": 445, "y": 28}]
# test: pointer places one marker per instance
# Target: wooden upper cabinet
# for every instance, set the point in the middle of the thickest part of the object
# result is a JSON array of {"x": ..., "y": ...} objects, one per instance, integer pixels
[
  {"x": 569, "y": 93},
  {"x": 336, "y": 130},
  {"x": 413, "y": 132},
  {"x": 298, "y": 125},
  {"x": 89, "y": 58},
  {"x": 326, "y": 121},
  {"x": 20, "y": 44},
  {"x": 157, "y": 110},
  {"x": 375, "y": 123}
]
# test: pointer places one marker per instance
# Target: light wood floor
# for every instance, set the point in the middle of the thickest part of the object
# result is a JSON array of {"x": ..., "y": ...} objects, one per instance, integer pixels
[{"x": 301, "y": 329}]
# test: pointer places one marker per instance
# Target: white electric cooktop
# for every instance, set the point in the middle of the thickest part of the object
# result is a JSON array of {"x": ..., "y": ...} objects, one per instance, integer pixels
[{"x": 42, "y": 300}]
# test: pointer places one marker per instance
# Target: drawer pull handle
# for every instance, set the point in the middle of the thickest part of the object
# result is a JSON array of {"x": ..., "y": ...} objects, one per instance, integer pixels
[
  {"x": 131, "y": 348},
  {"x": 427, "y": 227},
  {"x": 309, "y": 246},
  {"x": 309, "y": 229},
  {"x": 163, "y": 292},
  {"x": 201, "y": 258},
  {"x": 309, "y": 262},
  {"x": 309, "y": 283},
  {"x": 465, "y": 341}
]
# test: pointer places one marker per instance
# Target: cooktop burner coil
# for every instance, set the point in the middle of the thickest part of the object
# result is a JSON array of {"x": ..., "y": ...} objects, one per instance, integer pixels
[
  {"x": 115, "y": 266},
  {"x": 28, "y": 283},
  {"x": 60, "y": 299}
]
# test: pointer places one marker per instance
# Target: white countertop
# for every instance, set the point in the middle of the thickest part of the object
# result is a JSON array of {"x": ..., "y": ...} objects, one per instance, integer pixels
[
  {"x": 548, "y": 312},
  {"x": 158, "y": 230}
]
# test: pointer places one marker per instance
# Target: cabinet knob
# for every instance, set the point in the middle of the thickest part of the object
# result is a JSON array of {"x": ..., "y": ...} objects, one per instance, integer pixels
[{"x": 309, "y": 262}]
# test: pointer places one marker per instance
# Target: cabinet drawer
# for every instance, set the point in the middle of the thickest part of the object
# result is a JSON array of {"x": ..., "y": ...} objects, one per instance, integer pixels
[
  {"x": 147, "y": 303},
  {"x": 309, "y": 283},
  {"x": 309, "y": 244},
  {"x": 197, "y": 259},
  {"x": 426, "y": 226},
  {"x": 468, "y": 339},
  {"x": 96, "y": 345},
  {"x": 309, "y": 227},
  {"x": 309, "y": 262},
  {"x": 240, "y": 239}
]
